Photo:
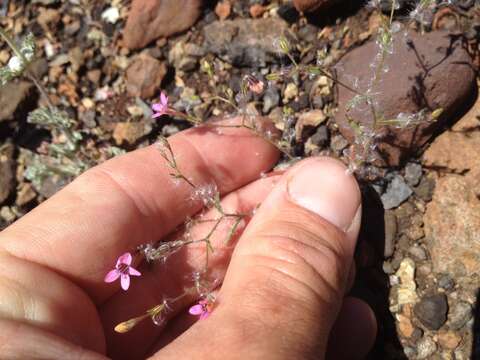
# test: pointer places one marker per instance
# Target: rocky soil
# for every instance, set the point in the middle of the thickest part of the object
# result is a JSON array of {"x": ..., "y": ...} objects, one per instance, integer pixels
[{"x": 418, "y": 256}]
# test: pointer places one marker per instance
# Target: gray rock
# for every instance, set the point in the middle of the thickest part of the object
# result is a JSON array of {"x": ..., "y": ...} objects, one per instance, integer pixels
[
  {"x": 397, "y": 192},
  {"x": 424, "y": 190},
  {"x": 446, "y": 282},
  {"x": 338, "y": 143},
  {"x": 271, "y": 99},
  {"x": 460, "y": 313},
  {"x": 426, "y": 347},
  {"x": 413, "y": 173},
  {"x": 418, "y": 252},
  {"x": 390, "y": 233},
  {"x": 320, "y": 138},
  {"x": 432, "y": 311},
  {"x": 245, "y": 42}
]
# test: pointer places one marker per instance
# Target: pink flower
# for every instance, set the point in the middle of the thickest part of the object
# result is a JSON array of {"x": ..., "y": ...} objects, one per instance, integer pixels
[
  {"x": 161, "y": 108},
  {"x": 122, "y": 270},
  {"x": 203, "y": 308}
]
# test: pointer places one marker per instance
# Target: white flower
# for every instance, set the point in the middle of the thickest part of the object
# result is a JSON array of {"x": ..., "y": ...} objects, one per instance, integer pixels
[{"x": 15, "y": 64}]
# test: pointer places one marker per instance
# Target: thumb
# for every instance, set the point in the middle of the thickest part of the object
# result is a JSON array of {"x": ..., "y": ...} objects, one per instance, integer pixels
[{"x": 286, "y": 281}]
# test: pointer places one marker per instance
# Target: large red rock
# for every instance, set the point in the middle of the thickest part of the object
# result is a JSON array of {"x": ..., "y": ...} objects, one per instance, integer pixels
[
  {"x": 452, "y": 218},
  {"x": 428, "y": 71},
  {"x": 150, "y": 19}
]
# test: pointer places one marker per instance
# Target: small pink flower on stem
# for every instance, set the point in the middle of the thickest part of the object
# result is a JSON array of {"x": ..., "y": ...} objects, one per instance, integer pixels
[
  {"x": 202, "y": 309},
  {"x": 161, "y": 108},
  {"x": 122, "y": 270}
]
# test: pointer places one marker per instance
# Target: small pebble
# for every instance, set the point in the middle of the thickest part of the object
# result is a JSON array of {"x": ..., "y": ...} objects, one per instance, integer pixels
[
  {"x": 390, "y": 233},
  {"x": 426, "y": 347},
  {"x": 446, "y": 282},
  {"x": 413, "y": 173},
  {"x": 271, "y": 99},
  {"x": 418, "y": 252},
  {"x": 432, "y": 311},
  {"x": 460, "y": 313},
  {"x": 397, "y": 192}
]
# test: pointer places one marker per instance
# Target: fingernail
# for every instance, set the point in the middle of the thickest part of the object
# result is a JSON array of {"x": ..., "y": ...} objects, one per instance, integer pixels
[{"x": 323, "y": 186}]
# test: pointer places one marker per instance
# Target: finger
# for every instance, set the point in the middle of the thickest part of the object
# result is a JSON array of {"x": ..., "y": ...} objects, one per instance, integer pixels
[
  {"x": 288, "y": 274},
  {"x": 169, "y": 279},
  {"x": 354, "y": 332},
  {"x": 131, "y": 200},
  {"x": 23, "y": 341},
  {"x": 352, "y": 336}
]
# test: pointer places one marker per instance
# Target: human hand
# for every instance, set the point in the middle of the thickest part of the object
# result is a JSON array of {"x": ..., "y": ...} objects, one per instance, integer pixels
[{"x": 284, "y": 285}]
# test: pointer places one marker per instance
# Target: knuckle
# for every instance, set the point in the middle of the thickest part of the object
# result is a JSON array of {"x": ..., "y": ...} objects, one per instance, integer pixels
[{"x": 306, "y": 261}]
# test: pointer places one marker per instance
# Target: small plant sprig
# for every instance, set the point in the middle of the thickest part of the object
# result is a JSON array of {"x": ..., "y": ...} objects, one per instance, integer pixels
[
  {"x": 201, "y": 288},
  {"x": 66, "y": 156}
]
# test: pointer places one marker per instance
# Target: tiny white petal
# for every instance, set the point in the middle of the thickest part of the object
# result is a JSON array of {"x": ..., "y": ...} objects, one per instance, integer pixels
[
  {"x": 111, "y": 15},
  {"x": 15, "y": 64}
]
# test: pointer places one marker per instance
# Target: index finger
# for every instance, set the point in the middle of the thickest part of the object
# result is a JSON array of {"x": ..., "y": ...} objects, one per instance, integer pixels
[{"x": 132, "y": 200}]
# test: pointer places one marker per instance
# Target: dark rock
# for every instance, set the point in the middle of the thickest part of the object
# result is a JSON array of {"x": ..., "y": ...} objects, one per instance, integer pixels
[
  {"x": 7, "y": 174},
  {"x": 432, "y": 311},
  {"x": 321, "y": 136},
  {"x": 397, "y": 192},
  {"x": 245, "y": 42},
  {"x": 386, "y": 5},
  {"x": 413, "y": 173},
  {"x": 446, "y": 282},
  {"x": 150, "y": 19},
  {"x": 144, "y": 76},
  {"x": 11, "y": 96},
  {"x": 408, "y": 87},
  {"x": 288, "y": 13}
]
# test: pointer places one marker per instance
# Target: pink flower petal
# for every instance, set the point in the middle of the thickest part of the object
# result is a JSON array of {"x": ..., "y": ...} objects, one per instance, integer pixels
[
  {"x": 112, "y": 276},
  {"x": 125, "y": 259},
  {"x": 204, "y": 315},
  {"x": 157, "y": 107},
  {"x": 157, "y": 115},
  {"x": 196, "y": 310},
  {"x": 125, "y": 281},
  {"x": 134, "y": 272},
  {"x": 163, "y": 98}
]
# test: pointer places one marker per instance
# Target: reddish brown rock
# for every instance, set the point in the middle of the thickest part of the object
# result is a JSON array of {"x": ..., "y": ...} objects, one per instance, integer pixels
[
  {"x": 444, "y": 78},
  {"x": 7, "y": 173},
  {"x": 464, "y": 139},
  {"x": 452, "y": 218},
  {"x": 312, "y": 5},
  {"x": 144, "y": 76},
  {"x": 452, "y": 221},
  {"x": 150, "y": 19}
]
